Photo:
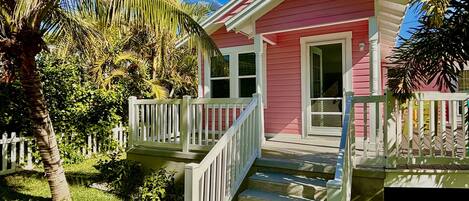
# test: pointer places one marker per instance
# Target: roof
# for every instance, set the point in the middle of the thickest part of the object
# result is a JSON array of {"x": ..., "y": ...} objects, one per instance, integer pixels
[{"x": 239, "y": 15}]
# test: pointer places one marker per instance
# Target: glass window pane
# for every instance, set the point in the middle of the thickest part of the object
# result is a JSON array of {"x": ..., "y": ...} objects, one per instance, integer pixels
[
  {"x": 247, "y": 64},
  {"x": 220, "y": 67},
  {"x": 247, "y": 87},
  {"x": 324, "y": 120},
  {"x": 220, "y": 88}
]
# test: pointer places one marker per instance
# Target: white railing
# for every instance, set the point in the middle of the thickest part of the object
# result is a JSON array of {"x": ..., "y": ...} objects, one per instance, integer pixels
[
  {"x": 340, "y": 188},
  {"x": 16, "y": 153},
  {"x": 430, "y": 129},
  {"x": 16, "y": 150},
  {"x": 182, "y": 124},
  {"x": 219, "y": 175}
]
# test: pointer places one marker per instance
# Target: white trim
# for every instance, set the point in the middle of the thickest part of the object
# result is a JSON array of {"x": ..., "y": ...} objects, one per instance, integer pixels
[
  {"x": 305, "y": 42},
  {"x": 200, "y": 86},
  {"x": 315, "y": 26}
]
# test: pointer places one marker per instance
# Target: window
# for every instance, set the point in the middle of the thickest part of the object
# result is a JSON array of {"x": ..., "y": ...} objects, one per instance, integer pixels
[
  {"x": 220, "y": 77},
  {"x": 235, "y": 76},
  {"x": 247, "y": 74}
]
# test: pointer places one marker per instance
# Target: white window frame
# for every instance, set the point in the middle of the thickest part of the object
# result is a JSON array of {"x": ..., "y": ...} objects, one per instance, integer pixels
[{"x": 234, "y": 77}]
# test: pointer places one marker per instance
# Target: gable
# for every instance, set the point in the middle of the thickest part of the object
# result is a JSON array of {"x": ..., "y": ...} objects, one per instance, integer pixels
[
  {"x": 225, "y": 39},
  {"x": 292, "y": 14}
]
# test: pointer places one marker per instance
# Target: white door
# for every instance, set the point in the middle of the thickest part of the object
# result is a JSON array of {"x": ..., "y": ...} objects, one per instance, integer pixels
[{"x": 326, "y": 91}]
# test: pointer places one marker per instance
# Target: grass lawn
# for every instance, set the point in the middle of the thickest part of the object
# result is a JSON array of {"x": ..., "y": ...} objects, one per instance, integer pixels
[{"x": 31, "y": 185}]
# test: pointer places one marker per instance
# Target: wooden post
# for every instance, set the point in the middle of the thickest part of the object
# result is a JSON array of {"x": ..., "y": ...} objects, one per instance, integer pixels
[
  {"x": 185, "y": 123},
  {"x": 259, "y": 50},
  {"x": 389, "y": 134},
  {"x": 4, "y": 151},
  {"x": 132, "y": 124},
  {"x": 191, "y": 187},
  {"x": 259, "y": 123}
]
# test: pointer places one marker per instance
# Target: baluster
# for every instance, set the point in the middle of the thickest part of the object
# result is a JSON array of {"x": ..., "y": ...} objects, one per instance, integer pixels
[
  {"x": 144, "y": 129},
  {"x": 432, "y": 128},
  {"x": 199, "y": 118},
  {"x": 454, "y": 127},
  {"x": 193, "y": 123},
  {"x": 160, "y": 122},
  {"x": 219, "y": 179},
  {"x": 365, "y": 130},
  {"x": 13, "y": 150},
  {"x": 147, "y": 121},
  {"x": 220, "y": 121},
  {"x": 177, "y": 125},
  {"x": 227, "y": 117},
  {"x": 410, "y": 127},
  {"x": 213, "y": 124},
  {"x": 443, "y": 128},
  {"x": 464, "y": 127},
  {"x": 208, "y": 182},
  {"x": 206, "y": 124},
  {"x": 421, "y": 127},
  {"x": 399, "y": 132},
  {"x": 21, "y": 159},
  {"x": 136, "y": 124},
  {"x": 224, "y": 174},
  {"x": 213, "y": 180},
  {"x": 165, "y": 122}
]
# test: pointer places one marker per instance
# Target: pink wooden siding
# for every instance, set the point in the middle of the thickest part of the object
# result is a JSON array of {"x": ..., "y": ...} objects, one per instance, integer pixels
[
  {"x": 292, "y": 14},
  {"x": 283, "y": 114},
  {"x": 230, "y": 39}
]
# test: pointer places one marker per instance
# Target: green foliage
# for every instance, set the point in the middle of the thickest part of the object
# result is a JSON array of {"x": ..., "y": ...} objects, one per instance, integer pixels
[
  {"x": 69, "y": 153},
  {"x": 123, "y": 176},
  {"x": 160, "y": 186},
  {"x": 436, "y": 52}
]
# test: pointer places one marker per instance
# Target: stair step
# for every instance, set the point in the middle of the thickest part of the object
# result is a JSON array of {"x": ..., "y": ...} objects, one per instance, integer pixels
[
  {"x": 257, "y": 195},
  {"x": 289, "y": 185}
]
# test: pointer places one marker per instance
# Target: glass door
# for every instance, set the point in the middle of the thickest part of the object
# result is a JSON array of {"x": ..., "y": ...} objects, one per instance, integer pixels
[{"x": 326, "y": 88}]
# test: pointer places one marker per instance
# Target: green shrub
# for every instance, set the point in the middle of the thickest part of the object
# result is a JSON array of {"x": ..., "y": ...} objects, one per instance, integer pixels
[
  {"x": 123, "y": 176},
  {"x": 160, "y": 185}
]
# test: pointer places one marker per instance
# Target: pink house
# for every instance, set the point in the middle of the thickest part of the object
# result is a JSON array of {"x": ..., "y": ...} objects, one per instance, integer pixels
[
  {"x": 319, "y": 120},
  {"x": 302, "y": 56}
]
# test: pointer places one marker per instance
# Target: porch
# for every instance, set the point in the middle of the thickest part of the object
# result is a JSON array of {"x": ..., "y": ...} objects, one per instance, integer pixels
[{"x": 225, "y": 138}]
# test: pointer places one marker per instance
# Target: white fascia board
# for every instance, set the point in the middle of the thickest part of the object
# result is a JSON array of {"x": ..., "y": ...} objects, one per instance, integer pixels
[{"x": 251, "y": 13}]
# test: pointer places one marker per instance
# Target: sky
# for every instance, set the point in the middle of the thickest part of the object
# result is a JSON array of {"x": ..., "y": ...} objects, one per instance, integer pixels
[{"x": 410, "y": 20}]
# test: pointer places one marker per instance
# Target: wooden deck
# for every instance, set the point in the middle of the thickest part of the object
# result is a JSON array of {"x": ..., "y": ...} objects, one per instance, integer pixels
[{"x": 293, "y": 148}]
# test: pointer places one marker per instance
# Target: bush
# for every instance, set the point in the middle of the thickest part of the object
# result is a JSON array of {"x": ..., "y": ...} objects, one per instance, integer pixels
[
  {"x": 160, "y": 185},
  {"x": 128, "y": 179},
  {"x": 124, "y": 177}
]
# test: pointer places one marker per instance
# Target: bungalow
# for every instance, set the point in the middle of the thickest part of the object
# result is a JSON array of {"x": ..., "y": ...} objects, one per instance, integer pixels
[{"x": 319, "y": 120}]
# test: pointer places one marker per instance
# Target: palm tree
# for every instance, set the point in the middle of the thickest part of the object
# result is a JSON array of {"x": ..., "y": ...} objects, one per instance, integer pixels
[
  {"x": 25, "y": 23},
  {"x": 436, "y": 52}
]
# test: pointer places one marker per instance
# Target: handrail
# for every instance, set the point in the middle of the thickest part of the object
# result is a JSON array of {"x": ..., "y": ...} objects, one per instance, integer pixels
[
  {"x": 339, "y": 189},
  {"x": 220, "y": 174}
]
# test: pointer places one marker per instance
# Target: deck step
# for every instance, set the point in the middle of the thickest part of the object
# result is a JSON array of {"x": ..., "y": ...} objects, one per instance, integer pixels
[
  {"x": 257, "y": 195},
  {"x": 288, "y": 185}
]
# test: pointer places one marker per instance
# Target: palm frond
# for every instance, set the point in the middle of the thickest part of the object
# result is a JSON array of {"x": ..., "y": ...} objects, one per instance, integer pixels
[{"x": 162, "y": 14}]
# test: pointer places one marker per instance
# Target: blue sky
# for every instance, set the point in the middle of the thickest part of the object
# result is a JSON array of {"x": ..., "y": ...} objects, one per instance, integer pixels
[{"x": 410, "y": 20}]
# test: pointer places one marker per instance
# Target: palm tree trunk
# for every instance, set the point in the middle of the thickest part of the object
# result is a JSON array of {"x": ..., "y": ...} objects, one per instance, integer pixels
[{"x": 42, "y": 128}]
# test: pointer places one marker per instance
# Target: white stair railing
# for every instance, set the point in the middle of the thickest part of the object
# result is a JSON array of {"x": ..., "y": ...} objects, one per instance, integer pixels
[
  {"x": 219, "y": 175},
  {"x": 340, "y": 188}
]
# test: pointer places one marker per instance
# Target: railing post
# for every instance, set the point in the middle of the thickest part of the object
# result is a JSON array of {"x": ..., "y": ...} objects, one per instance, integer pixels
[
  {"x": 259, "y": 123},
  {"x": 132, "y": 124},
  {"x": 389, "y": 134},
  {"x": 191, "y": 185},
  {"x": 185, "y": 123}
]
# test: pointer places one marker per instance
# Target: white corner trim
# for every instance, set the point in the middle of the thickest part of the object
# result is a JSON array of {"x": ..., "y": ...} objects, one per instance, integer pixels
[{"x": 340, "y": 37}]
